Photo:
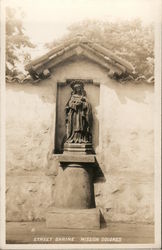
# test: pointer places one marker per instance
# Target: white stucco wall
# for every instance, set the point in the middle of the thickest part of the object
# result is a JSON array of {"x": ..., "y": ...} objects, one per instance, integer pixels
[{"x": 125, "y": 150}]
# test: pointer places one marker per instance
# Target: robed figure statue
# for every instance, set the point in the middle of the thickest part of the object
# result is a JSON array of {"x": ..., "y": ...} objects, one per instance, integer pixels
[{"x": 78, "y": 116}]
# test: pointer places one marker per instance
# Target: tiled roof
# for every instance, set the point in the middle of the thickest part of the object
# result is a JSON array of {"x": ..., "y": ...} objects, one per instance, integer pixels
[{"x": 79, "y": 47}]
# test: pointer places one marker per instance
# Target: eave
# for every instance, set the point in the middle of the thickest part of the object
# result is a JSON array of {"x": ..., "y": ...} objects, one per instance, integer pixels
[{"x": 80, "y": 47}]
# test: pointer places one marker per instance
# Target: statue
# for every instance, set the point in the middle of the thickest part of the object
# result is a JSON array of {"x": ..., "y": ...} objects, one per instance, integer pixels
[{"x": 78, "y": 116}]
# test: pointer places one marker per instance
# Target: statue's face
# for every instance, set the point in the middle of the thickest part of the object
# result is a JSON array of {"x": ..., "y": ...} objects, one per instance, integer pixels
[{"x": 78, "y": 89}]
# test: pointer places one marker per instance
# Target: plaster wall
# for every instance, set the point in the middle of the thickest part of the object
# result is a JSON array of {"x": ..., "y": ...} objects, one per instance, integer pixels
[{"x": 124, "y": 152}]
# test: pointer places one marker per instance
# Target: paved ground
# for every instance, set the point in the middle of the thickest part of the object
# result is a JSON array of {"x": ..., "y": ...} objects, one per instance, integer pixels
[{"x": 36, "y": 232}]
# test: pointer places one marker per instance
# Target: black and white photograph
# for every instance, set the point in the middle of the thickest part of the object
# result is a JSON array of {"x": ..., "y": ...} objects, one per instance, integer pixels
[{"x": 80, "y": 124}]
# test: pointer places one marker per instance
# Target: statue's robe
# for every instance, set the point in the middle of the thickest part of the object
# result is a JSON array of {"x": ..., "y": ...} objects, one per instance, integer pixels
[{"x": 78, "y": 119}]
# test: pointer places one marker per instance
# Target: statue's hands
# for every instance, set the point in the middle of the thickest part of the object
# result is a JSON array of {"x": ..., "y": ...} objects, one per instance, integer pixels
[
  {"x": 83, "y": 99},
  {"x": 79, "y": 104}
]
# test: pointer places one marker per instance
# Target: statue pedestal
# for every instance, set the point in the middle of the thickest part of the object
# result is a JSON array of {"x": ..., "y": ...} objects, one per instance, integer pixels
[
  {"x": 79, "y": 148},
  {"x": 74, "y": 202},
  {"x": 73, "y": 218}
]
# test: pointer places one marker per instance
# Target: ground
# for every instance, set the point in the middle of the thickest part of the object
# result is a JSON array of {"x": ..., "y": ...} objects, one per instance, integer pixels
[{"x": 37, "y": 232}]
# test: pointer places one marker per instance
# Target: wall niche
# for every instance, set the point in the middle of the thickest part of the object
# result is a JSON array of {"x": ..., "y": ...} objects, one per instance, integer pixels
[{"x": 63, "y": 95}]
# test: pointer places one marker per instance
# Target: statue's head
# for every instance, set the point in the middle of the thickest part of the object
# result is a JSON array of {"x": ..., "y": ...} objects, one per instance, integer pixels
[{"x": 78, "y": 88}]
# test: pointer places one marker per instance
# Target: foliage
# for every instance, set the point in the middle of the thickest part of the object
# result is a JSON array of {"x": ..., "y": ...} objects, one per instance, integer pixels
[
  {"x": 16, "y": 43},
  {"x": 130, "y": 40}
]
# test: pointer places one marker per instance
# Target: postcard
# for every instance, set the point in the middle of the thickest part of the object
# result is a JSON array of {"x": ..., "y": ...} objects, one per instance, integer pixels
[{"x": 80, "y": 124}]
